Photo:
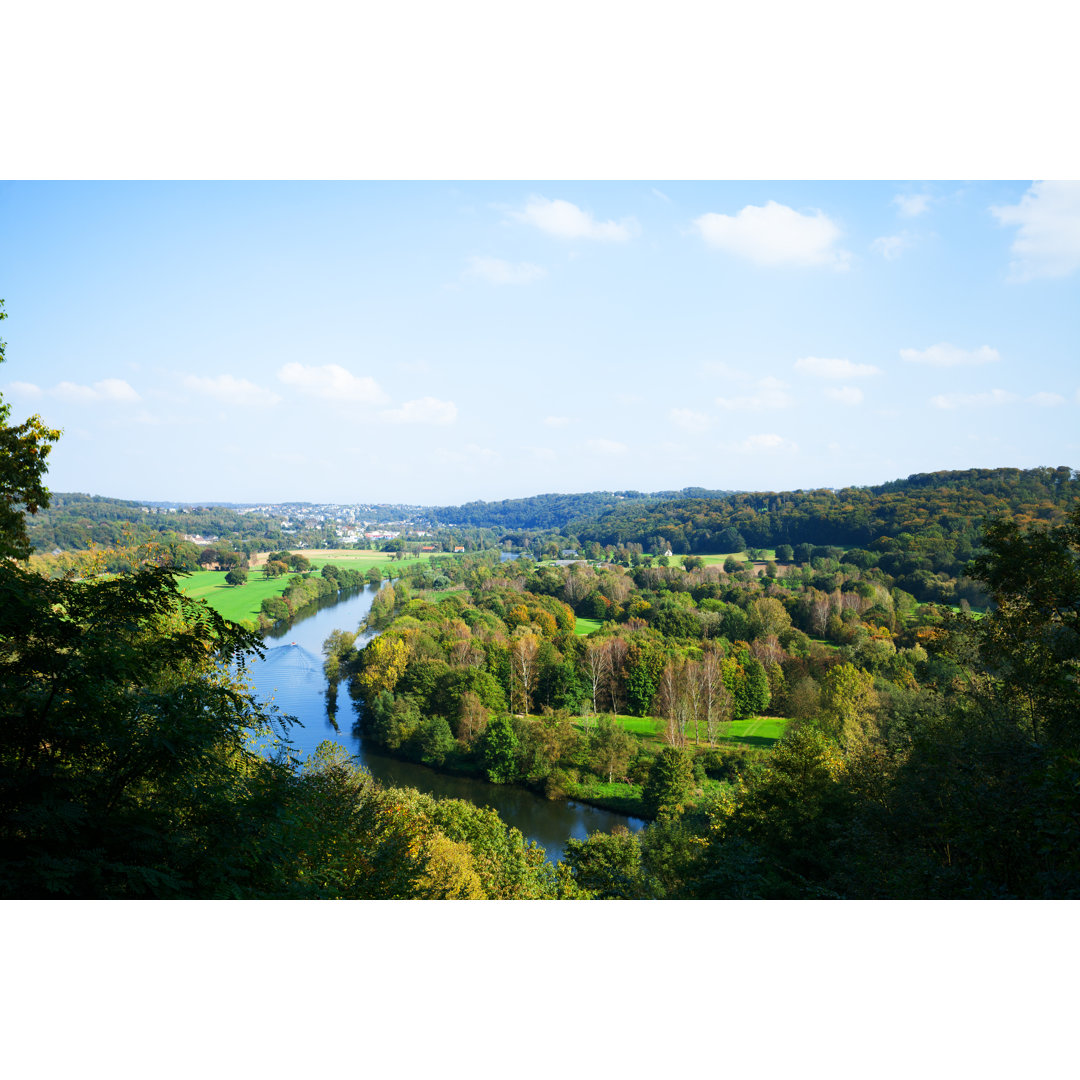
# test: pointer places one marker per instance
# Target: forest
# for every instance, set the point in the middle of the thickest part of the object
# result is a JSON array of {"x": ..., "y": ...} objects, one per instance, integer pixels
[{"x": 923, "y": 750}]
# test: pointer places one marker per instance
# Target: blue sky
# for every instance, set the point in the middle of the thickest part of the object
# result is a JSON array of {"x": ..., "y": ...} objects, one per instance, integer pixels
[{"x": 439, "y": 342}]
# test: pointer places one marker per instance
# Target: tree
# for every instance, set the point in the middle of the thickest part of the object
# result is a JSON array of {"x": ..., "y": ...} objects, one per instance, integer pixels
[
  {"x": 383, "y": 662},
  {"x": 848, "y": 702},
  {"x": 126, "y": 765},
  {"x": 24, "y": 451},
  {"x": 339, "y": 648},
  {"x": 236, "y": 576},
  {"x": 523, "y": 669},
  {"x": 1030, "y": 643},
  {"x": 473, "y": 718},
  {"x": 670, "y": 783},
  {"x": 498, "y": 751},
  {"x": 597, "y": 662},
  {"x": 374, "y": 576},
  {"x": 644, "y": 665},
  {"x": 608, "y": 865},
  {"x": 611, "y": 747}
]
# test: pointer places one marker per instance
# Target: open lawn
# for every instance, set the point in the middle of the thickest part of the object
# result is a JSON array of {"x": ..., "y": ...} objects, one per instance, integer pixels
[
  {"x": 718, "y": 560},
  {"x": 759, "y": 728},
  {"x": 236, "y": 602},
  {"x": 586, "y": 626},
  {"x": 759, "y": 731}
]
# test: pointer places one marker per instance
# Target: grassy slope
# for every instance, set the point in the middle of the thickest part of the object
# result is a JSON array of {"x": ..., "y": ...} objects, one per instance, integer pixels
[{"x": 586, "y": 626}]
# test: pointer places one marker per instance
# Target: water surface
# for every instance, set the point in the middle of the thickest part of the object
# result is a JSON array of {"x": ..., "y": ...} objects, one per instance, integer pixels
[{"x": 291, "y": 676}]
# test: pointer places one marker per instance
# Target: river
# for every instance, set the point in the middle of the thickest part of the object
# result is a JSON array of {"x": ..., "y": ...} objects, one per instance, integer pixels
[{"x": 291, "y": 677}]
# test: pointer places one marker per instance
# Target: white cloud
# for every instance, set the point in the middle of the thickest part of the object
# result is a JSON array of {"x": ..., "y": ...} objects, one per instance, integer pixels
[
  {"x": 846, "y": 395},
  {"x": 561, "y": 218},
  {"x": 973, "y": 401},
  {"x": 1048, "y": 241},
  {"x": 775, "y": 235},
  {"x": 1046, "y": 399},
  {"x": 946, "y": 355},
  {"x": 556, "y": 421},
  {"x": 332, "y": 381},
  {"x": 231, "y": 390},
  {"x": 500, "y": 272},
  {"x": 912, "y": 205},
  {"x": 607, "y": 447},
  {"x": 426, "y": 410},
  {"x": 660, "y": 195},
  {"x": 890, "y": 247},
  {"x": 104, "y": 390},
  {"x": 768, "y": 443},
  {"x": 771, "y": 394},
  {"x": 24, "y": 389},
  {"x": 688, "y": 419},
  {"x": 827, "y": 367}
]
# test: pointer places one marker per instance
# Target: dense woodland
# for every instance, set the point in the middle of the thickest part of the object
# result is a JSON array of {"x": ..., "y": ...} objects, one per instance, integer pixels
[
  {"x": 553, "y": 512},
  {"x": 929, "y": 753}
]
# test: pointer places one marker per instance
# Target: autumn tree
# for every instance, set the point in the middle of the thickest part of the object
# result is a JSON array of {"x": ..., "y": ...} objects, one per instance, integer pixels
[
  {"x": 382, "y": 665},
  {"x": 597, "y": 665},
  {"x": 523, "y": 668}
]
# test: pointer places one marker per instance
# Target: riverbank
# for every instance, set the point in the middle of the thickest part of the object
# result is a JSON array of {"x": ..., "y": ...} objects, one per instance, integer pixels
[{"x": 291, "y": 675}]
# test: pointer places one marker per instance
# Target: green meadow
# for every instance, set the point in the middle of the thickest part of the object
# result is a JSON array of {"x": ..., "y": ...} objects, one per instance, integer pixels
[
  {"x": 757, "y": 731},
  {"x": 242, "y": 603},
  {"x": 236, "y": 602}
]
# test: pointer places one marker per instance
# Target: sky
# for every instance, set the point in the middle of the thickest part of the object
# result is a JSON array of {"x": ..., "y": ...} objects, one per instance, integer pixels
[{"x": 431, "y": 342}]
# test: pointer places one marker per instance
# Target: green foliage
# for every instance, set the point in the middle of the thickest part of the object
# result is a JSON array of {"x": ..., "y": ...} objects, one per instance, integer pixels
[
  {"x": 1031, "y": 642},
  {"x": 644, "y": 665},
  {"x": 670, "y": 783},
  {"x": 125, "y": 740},
  {"x": 24, "y": 451},
  {"x": 433, "y": 740},
  {"x": 607, "y": 865},
  {"x": 498, "y": 750},
  {"x": 848, "y": 703},
  {"x": 611, "y": 748}
]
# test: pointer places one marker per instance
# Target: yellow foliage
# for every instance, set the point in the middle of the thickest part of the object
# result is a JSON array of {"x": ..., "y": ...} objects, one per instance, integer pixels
[{"x": 384, "y": 664}]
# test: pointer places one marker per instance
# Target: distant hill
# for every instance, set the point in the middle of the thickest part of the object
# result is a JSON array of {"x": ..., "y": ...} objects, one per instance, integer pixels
[
  {"x": 74, "y": 521},
  {"x": 553, "y": 511}
]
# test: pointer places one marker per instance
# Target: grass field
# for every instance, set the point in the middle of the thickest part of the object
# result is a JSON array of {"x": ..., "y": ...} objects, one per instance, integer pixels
[
  {"x": 759, "y": 731},
  {"x": 718, "y": 560},
  {"x": 620, "y": 797},
  {"x": 236, "y": 602},
  {"x": 243, "y": 602},
  {"x": 586, "y": 626}
]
